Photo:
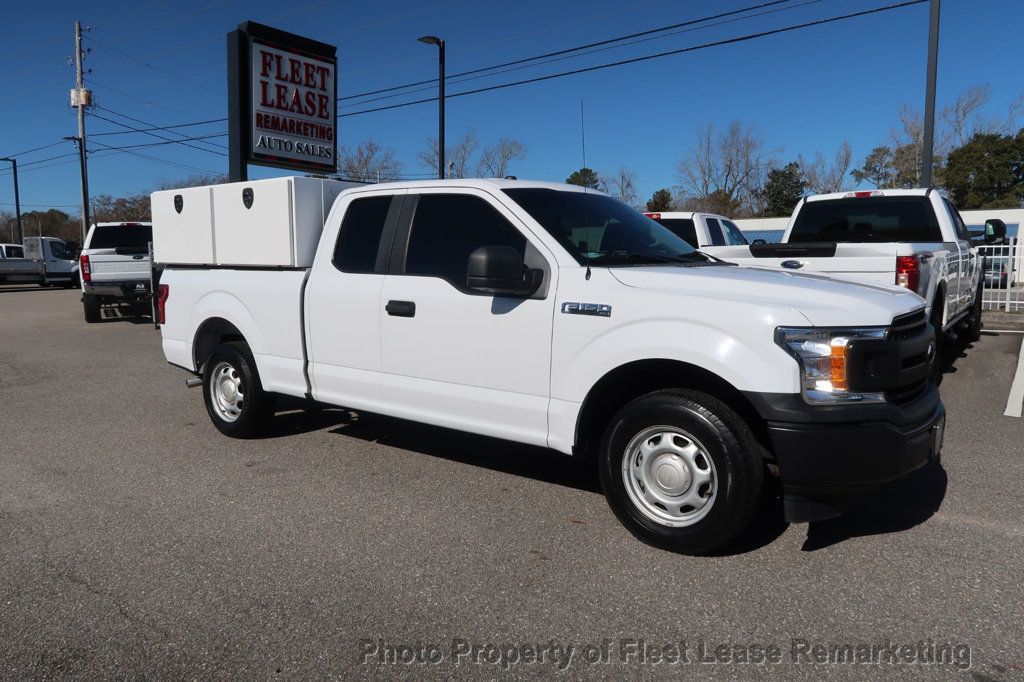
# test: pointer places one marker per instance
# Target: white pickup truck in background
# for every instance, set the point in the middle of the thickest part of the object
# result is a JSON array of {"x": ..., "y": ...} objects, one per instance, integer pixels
[
  {"x": 46, "y": 261},
  {"x": 115, "y": 266},
  {"x": 704, "y": 231},
  {"x": 555, "y": 316},
  {"x": 914, "y": 238}
]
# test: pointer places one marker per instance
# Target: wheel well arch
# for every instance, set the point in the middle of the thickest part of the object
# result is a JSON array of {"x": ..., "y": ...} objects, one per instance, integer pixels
[
  {"x": 211, "y": 333},
  {"x": 938, "y": 312},
  {"x": 630, "y": 381}
]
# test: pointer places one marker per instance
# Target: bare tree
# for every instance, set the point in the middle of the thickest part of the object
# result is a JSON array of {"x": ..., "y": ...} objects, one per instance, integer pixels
[
  {"x": 963, "y": 119},
  {"x": 726, "y": 167},
  {"x": 622, "y": 186},
  {"x": 822, "y": 176},
  {"x": 369, "y": 161},
  {"x": 457, "y": 156},
  {"x": 495, "y": 160}
]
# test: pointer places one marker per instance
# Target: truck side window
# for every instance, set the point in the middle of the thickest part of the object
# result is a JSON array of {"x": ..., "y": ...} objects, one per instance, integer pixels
[
  {"x": 715, "y": 232},
  {"x": 15, "y": 252},
  {"x": 57, "y": 250},
  {"x": 359, "y": 237},
  {"x": 449, "y": 227},
  {"x": 733, "y": 234},
  {"x": 958, "y": 223}
]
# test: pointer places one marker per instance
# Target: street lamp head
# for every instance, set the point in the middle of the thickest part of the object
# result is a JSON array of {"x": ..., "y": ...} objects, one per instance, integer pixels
[
  {"x": 431, "y": 40},
  {"x": 6, "y": 158}
]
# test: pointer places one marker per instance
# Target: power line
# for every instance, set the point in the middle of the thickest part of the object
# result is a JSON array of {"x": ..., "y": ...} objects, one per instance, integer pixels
[
  {"x": 36, "y": 149},
  {"x": 689, "y": 22},
  {"x": 622, "y": 62},
  {"x": 94, "y": 83},
  {"x": 113, "y": 150},
  {"x": 146, "y": 130},
  {"x": 184, "y": 138},
  {"x": 156, "y": 68},
  {"x": 591, "y": 51},
  {"x": 167, "y": 142}
]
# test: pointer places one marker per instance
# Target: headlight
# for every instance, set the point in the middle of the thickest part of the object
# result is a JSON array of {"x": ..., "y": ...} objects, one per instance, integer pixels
[{"x": 821, "y": 354}]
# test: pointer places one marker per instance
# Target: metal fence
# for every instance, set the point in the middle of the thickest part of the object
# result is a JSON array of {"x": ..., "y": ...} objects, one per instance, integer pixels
[{"x": 1003, "y": 276}]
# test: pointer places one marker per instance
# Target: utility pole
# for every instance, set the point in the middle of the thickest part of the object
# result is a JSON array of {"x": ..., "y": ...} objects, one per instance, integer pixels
[
  {"x": 17, "y": 197},
  {"x": 928, "y": 141},
  {"x": 80, "y": 99}
]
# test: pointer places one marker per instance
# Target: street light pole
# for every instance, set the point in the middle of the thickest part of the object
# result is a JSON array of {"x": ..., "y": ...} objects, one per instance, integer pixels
[
  {"x": 17, "y": 198},
  {"x": 928, "y": 141},
  {"x": 434, "y": 40}
]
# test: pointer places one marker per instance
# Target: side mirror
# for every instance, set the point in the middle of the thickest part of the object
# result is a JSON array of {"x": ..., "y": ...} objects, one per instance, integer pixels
[
  {"x": 499, "y": 270},
  {"x": 995, "y": 231},
  {"x": 759, "y": 241}
]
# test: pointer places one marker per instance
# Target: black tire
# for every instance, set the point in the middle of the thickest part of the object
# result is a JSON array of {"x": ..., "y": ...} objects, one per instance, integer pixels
[
  {"x": 974, "y": 325},
  {"x": 91, "y": 306},
  {"x": 255, "y": 406},
  {"x": 726, "y": 439}
]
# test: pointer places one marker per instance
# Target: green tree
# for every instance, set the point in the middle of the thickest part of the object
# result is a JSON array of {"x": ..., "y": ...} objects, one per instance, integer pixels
[
  {"x": 660, "y": 201},
  {"x": 877, "y": 169},
  {"x": 783, "y": 189},
  {"x": 585, "y": 177},
  {"x": 987, "y": 172}
]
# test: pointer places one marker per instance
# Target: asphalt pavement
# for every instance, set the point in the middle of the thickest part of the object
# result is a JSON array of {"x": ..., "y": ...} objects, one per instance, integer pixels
[{"x": 136, "y": 541}]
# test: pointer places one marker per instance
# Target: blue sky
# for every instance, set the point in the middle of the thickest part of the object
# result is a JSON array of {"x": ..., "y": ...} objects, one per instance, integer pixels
[{"x": 807, "y": 90}]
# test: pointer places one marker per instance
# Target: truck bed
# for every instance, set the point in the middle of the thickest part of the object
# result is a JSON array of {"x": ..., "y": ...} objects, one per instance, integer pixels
[{"x": 263, "y": 304}]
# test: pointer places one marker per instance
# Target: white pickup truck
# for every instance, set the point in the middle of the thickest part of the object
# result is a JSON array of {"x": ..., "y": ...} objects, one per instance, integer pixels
[
  {"x": 555, "y": 316},
  {"x": 914, "y": 238},
  {"x": 704, "y": 231},
  {"x": 115, "y": 266}
]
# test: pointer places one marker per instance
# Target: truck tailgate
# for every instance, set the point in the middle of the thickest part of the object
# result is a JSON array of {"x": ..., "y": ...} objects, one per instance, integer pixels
[
  {"x": 108, "y": 266},
  {"x": 872, "y": 263}
]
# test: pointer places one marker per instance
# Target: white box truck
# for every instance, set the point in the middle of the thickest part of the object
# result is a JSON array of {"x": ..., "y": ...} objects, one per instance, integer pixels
[{"x": 555, "y": 316}]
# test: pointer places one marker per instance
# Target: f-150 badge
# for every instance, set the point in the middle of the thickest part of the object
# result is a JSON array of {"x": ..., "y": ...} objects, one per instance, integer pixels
[{"x": 599, "y": 309}]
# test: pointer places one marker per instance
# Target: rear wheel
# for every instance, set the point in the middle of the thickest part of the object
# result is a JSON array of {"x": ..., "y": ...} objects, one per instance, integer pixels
[
  {"x": 681, "y": 471},
  {"x": 232, "y": 391},
  {"x": 91, "y": 306}
]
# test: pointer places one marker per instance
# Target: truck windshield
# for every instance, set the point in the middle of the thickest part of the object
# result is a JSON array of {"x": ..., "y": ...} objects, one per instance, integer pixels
[
  {"x": 128, "y": 235},
  {"x": 868, "y": 219},
  {"x": 599, "y": 230}
]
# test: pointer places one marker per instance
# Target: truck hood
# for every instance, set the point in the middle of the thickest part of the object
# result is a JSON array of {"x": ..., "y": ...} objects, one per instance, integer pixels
[{"x": 825, "y": 301}]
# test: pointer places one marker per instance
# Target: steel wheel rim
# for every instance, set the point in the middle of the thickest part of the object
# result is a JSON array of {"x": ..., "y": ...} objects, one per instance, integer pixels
[
  {"x": 669, "y": 476},
  {"x": 226, "y": 394}
]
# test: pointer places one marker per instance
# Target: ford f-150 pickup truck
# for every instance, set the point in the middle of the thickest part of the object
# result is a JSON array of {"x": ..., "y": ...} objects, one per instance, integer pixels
[
  {"x": 555, "y": 316},
  {"x": 914, "y": 238}
]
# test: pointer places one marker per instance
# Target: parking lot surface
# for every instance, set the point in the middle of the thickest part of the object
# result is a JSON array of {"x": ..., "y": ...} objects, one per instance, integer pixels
[{"x": 138, "y": 541}]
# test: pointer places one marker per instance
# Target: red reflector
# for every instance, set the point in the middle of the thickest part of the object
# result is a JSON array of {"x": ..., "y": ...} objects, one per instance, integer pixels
[
  {"x": 653, "y": 216},
  {"x": 161, "y": 301},
  {"x": 908, "y": 272},
  {"x": 83, "y": 268}
]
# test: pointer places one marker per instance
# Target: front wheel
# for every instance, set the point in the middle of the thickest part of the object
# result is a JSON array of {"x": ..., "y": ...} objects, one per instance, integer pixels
[
  {"x": 232, "y": 391},
  {"x": 681, "y": 471},
  {"x": 974, "y": 325}
]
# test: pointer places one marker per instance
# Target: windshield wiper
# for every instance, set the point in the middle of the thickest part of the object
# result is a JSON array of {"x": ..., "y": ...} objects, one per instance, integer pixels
[{"x": 647, "y": 258}]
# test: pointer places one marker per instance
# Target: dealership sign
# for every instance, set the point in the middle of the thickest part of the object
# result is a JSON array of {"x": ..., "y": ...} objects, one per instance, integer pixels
[{"x": 282, "y": 103}]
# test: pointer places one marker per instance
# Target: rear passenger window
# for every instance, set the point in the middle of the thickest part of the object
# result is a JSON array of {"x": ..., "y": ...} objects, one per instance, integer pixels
[
  {"x": 447, "y": 228},
  {"x": 682, "y": 228},
  {"x": 359, "y": 237},
  {"x": 958, "y": 223},
  {"x": 715, "y": 232}
]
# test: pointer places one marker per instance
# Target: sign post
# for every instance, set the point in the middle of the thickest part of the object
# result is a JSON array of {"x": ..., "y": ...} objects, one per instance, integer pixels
[{"x": 282, "y": 101}]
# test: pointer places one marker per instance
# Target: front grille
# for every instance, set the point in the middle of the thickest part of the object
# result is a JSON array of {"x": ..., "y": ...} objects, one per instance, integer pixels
[
  {"x": 907, "y": 326},
  {"x": 904, "y": 395}
]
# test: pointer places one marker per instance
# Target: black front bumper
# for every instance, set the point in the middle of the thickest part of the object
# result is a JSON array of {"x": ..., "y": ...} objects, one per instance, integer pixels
[{"x": 828, "y": 455}]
